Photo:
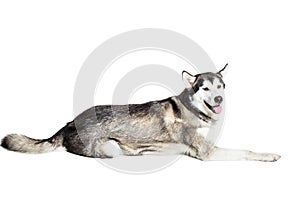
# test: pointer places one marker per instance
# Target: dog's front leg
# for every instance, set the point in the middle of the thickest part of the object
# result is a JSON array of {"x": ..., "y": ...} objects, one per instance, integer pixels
[{"x": 221, "y": 154}]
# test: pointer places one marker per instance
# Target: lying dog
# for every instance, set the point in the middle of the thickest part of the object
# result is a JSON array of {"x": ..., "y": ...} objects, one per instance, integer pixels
[{"x": 176, "y": 125}]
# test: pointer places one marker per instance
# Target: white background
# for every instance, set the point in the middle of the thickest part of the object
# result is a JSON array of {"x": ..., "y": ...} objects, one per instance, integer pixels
[{"x": 43, "y": 45}]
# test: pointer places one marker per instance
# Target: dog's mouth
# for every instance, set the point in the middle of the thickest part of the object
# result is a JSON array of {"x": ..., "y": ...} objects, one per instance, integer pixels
[{"x": 215, "y": 109}]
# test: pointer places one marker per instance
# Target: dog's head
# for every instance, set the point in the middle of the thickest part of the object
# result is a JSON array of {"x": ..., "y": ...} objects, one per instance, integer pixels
[{"x": 206, "y": 90}]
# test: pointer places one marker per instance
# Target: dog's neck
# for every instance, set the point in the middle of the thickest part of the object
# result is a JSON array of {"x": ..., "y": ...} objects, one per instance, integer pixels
[{"x": 185, "y": 99}]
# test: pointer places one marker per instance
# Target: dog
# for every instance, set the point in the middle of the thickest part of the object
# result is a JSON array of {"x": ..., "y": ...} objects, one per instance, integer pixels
[{"x": 176, "y": 125}]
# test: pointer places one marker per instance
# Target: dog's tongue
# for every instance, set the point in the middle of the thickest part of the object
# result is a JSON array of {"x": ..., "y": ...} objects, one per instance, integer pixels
[{"x": 217, "y": 109}]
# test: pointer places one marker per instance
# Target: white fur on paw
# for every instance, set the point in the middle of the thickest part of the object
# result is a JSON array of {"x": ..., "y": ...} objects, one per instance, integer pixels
[{"x": 269, "y": 157}]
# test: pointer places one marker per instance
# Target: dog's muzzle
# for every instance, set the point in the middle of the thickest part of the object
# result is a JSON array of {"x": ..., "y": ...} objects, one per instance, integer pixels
[{"x": 215, "y": 109}]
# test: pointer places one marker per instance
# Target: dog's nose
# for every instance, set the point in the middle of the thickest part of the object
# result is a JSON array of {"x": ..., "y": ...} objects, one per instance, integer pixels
[{"x": 218, "y": 99}]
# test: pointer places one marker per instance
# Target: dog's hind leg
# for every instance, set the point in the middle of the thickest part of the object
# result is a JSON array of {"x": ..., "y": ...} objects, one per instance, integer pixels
[
  {"x": 108, "y": 149},
  {"x": 221, "y": 154}
]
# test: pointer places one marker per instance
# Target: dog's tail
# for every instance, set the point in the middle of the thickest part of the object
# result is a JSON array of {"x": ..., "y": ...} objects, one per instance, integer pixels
[{"x": 24, "y": 144}]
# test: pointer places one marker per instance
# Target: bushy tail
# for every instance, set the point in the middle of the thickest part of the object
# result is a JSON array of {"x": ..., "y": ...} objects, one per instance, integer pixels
[{"x": 24, "y": 144}]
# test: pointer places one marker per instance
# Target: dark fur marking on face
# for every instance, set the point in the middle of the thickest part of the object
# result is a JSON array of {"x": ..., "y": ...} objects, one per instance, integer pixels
[
  {"x": 198, "y": 83},
  {"x": 206, "y": 76}
]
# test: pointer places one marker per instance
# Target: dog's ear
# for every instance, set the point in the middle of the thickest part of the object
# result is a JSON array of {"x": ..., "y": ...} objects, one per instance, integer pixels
[
  {"x": 188, "y": 79},
  {"x": 223, "y": 70}
]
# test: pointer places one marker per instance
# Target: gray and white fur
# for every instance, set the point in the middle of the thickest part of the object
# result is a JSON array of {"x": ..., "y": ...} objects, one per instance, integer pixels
[{"x": 175, "y": 125}]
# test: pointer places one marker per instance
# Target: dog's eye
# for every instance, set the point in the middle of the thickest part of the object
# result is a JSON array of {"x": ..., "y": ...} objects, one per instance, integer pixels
[
  {"x": 206, "y": 89},
  {"x": 219, "y": 86}
]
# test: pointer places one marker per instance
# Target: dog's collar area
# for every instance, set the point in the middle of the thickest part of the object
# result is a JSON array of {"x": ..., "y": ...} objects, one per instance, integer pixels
[{"x": 204, "y": 117}]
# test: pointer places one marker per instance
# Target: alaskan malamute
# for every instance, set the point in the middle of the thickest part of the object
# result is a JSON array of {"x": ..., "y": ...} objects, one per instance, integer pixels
[{"x": 175, "y": 125}]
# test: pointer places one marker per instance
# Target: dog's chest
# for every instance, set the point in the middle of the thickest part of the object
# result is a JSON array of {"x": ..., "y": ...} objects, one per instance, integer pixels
[{"x": 204, "y": 131}]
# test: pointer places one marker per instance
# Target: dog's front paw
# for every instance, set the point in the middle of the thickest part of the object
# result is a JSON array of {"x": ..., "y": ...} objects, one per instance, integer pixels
[
  {"x": 269, "y": 157},
  {"x": 264, "y": 157}
]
